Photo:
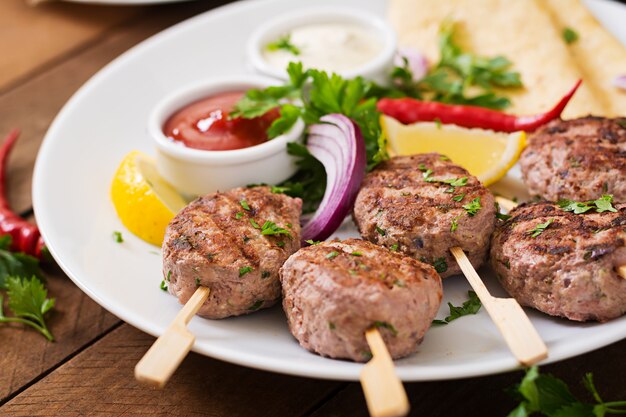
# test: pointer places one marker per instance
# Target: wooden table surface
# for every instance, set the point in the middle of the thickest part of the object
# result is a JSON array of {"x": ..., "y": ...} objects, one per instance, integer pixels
[{"x": 48, "y": 52}]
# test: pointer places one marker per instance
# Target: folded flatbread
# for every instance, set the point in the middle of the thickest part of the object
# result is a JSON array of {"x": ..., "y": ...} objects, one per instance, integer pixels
[{"x": 521, "y": 30}]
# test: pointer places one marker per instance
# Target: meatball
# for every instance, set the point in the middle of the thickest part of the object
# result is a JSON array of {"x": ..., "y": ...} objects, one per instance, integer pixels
[
  {"x": 334, "y": 291},
  {"x": 422, "y": 205},
  {"x": 233, "y": 243},
  {"x": 579, "y": 159},
  {"x": 561, "y": 263}
]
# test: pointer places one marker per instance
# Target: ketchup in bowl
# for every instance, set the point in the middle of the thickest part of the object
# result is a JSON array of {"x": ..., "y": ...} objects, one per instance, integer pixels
[{"x": 205, "y": 124}]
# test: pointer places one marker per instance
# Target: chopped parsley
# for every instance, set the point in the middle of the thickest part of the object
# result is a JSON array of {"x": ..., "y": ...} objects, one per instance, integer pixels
[
  {"x": 394, "y": 247},
  {"x": 458, "y": 197},
  {"x": 569, "y": 35},
  {"x": 356, "y": 253},
  {"x": 600, "y": 205},
  {"x": 502, "y": 216},
  {"x": 239, "y": 215},
  {"x": 169, "y": 275},
  {"x": 271, "y": 229},
  {"x": 244, "y": 270},
  {"x": 472, "y": 207},
  {"x": 254, "y": 224},
  {"x": 440, "y": 265},
  {"x": 257, "y": 304},
  {"x": 452, "y": 182},
  {"x": 471, "y": 306},
  {"x": 443, "y": 158},
  {"x": 245, "y": 205},
  {"x": 539, "y": 229},
  {"x": 332, "y": 255},
  {"x": 331, "y": 325},
  {"x": 385, "y": 325},
  {"x": 381, "y": 231},
  {"x": 313, "y": 242},
  {"x": 117, "y": 236},
  {"x": 280, "y": 244},
  {"x": 284, "y": 43},
  {"x": 454, "y": 224},
  {"x": 163, "y": 285},
  {"x": 197, "y": 282}
]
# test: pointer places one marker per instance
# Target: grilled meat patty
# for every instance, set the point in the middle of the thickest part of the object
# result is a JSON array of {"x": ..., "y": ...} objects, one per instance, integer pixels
[
  {"x": 569, "y": 269},
  {"x": 234, "y": 243},
  {"x": 579, "y": 159},
  {"x": 415, "y": 204},
  {"x": 334, "y": 291}
]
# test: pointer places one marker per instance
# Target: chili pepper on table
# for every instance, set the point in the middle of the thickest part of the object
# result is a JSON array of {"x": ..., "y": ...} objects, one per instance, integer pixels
[
  {"x": 408, "y": 110},
  {"x": 26, "y": 236}
]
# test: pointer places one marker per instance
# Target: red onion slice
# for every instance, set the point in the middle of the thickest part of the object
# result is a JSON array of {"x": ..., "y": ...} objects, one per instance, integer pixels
[
  {"x": 417, "y": 62},
  {"x": 338, "y": 144}
]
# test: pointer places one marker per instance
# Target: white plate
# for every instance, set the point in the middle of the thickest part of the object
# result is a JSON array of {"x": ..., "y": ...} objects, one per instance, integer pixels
[{"x": 107, "y": 118}]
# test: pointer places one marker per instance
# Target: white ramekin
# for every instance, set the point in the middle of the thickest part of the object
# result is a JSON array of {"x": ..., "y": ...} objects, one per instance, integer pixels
[
  {"x": 377, "y": 69},
  {"x": 195, "y": 171}
]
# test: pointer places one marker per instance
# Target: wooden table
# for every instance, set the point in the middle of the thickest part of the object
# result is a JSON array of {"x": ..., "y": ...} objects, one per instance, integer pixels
[{"x": 47, "y": 53}]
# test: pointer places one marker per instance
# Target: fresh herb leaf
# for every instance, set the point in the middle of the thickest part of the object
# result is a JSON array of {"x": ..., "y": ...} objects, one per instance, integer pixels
[
  {"x": 356, "y": 253},
  {"x": 163, "y": 285},
  {"x": 471, "y": 306},
  {"x": 239, "y": 215},
  {"x": 600, "y": 205},
  {"x": 244, "y": 270},
  {"x": 569, "y": 35},
  {"x": 331, "y": 325},
  {"x": 539, "y": 229},
  {"x": 394, "y": 247},
  {"x": 245, "y": 205},
  {"x": 455, "y": 224},
  {"x": 16, "y": 263},
  {"x": 458, "y": 197},
  {"x": 289, "y": 115},
  {"x": 265, "y": 274},
  {"x": 270, "y": 228},
  {"x": 385, "y": 325},
  {"x": 472, "y": 207},
  {"x": 440, "y": 265},
  {"x": 380, "y": 231},
  {"x": 254, "y": 224},
  {"x": 117, "y": 236},
  {"x": 604, "y": 204},
  {"x": 283, "y": 43},
  {"x": 28, "y": 299},
  {"x": 332, "y": 255},
  {"x": 313, "y": 242},
  {"x": 502, "y": 216}
]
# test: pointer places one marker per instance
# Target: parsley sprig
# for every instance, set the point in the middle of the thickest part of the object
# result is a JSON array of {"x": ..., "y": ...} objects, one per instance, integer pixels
[
  {"x": 28, "y": 299},
  {"x": 539, "y": 229},
  {"x": 460, "y": 77},
  {"x": 283, "y": 43},
  {"x": 600, "y": 205},
  {"x": 549, "y": 396},
  {"x": 471, "y": 306}
]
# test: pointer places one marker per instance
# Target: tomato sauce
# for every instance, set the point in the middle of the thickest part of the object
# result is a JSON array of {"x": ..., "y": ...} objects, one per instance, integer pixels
[{"x": 205, "y": 124}]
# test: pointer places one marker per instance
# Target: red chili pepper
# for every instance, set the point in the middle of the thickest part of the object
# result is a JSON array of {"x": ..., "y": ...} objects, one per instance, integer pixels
[
  {"x": 26, "y": 236},
  {"x": 408, "y": 110}
]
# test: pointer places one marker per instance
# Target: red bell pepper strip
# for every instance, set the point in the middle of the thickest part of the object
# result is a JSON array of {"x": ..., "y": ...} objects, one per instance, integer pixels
[
  {"x": 26, "y": 236},
  {"x": 408, "y": 110}
]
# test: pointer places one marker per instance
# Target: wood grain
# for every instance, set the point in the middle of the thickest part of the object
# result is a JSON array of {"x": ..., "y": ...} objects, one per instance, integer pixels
[
  {"x": 486, "y": 396},
  {"x": 99, "y": 381}
]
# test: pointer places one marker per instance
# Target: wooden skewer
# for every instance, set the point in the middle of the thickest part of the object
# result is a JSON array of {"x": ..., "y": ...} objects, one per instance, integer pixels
[
  {"x": 509, "y": 205},
  {"x": 513, "y": 323},
  {"x": 384, "y": 392},
  {"x": 168, "y": 351}
]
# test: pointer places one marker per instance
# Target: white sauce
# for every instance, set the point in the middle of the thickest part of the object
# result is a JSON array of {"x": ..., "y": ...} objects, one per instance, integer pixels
[{"x": 334, "y": 47}]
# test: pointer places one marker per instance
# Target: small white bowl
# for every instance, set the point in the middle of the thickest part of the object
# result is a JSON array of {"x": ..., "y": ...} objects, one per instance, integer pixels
[
  {"x": 197, "y": 172},
  {"x": 377, "y": 69}
]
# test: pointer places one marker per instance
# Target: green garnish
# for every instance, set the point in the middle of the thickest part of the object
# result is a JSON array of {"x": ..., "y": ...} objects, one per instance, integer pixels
[
  {"x": 280, "y": 244},
  {"x": 117, "y": 236},
  {"x": 279, "y": 190},
  {"x": 257, "y": 304},
  {"x": 569, "y": 35},
  {"x": 265, "y": 274},
  {"x": 169, "y": 275},
  {"x": 601, "y": 205},
  {"x": 29, "y": 302},
  {"x": 381, "y": 231},
  {"x": 440, "y": 265},
  {"x": 332, "y": 255},
  {"x": 197, "y": 282},
  {"x": 14, "y": 264},
  {"x": 385, "y": 325},
  {"x": 284, "y": 43},
  {"x": 163, "y": 285},
  {"x": 455, "y": 224},
  {"x": 355, "y": 253},
  {"x": 471, "y": 306},
  {"x": 472, "y": 207},
  {"x": 239, "y": 215},
  {"x": 458, "y": 197},
  {"x": 549, "y": 396},
  {"x": 539, "y": 229},
  {"x": 245, "y": 205},
  {"x": 244, "y": 270},
  {"x": 313, "y": 242},
  {"x": 443, "y": 158},
  {"x": 254, "y": 224},
  {"x": 502, "y": 216},
  {"x": 270, "y": 229},
  {"x": 394, "y": 247},
  {"x": 331, "y": 325}
]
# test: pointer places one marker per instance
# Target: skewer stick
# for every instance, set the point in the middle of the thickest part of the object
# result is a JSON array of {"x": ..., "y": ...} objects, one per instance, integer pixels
[
  {"x": 384, "y": 392},
  {"x": 509, "y": 205},
  {"x": 168, "y": 351},
  {"x": 513, "y": 323}
]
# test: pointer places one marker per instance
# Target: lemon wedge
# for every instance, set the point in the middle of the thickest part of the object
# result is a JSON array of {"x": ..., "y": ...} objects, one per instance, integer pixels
[
  {"x": 144, "y": 202},
  {"x": 484, "y": 153}
]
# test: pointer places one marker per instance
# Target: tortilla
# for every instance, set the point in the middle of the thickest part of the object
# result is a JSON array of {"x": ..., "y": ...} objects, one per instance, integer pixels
[
  {"x": 599, "y": 55},
  {"x": 521, "y": 30}
]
